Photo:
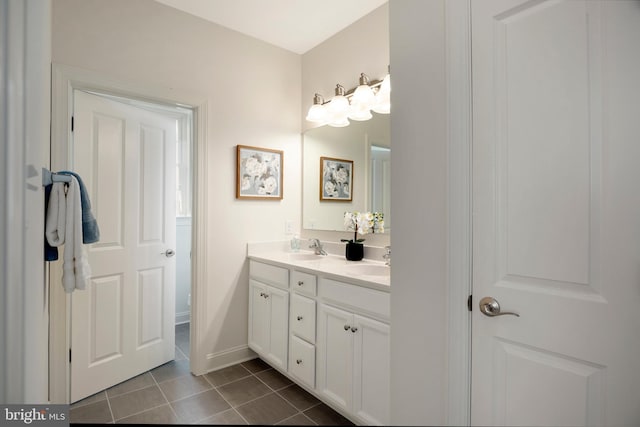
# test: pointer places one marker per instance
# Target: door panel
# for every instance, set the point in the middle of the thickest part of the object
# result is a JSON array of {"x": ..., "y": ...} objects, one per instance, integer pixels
[
  {"x": 123, "y": 324},
  {"x": 279, "y": 326},
  {"x": 554, "y": 235},
  {"x": 372, "y": 370},
  {"x": 259, "y": 322},
  {"x": 335, "y": 355}
]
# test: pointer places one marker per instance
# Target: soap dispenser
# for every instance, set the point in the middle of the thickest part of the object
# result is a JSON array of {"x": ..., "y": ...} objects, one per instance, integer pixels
[{"x": 295, "y": 243}]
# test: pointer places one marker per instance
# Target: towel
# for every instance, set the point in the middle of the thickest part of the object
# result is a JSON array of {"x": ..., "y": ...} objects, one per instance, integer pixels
[
  {"x": 64, "y": 226},
  {"x": 55, "y": 226},
  {"x": 90, "y": 230},
  {"x": 50, "y": 253}
]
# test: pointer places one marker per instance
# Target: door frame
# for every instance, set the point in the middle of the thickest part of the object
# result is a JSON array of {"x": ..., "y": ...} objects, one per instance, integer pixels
[
  {"x": 459, "y": 206},
  {"x": 65, "y": 79}
]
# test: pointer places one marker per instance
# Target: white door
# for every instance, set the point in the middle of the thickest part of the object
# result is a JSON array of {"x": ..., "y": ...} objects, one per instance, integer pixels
[
  {"x": 556, "y": 170},
  {"x": 123, "y": 323}
]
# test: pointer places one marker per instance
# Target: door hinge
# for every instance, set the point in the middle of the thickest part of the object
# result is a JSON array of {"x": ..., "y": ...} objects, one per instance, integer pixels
[
  {"x": 69, "y": 355},
  {"x": 72, "y": 124},
  {"x": 470, "y": 302}
]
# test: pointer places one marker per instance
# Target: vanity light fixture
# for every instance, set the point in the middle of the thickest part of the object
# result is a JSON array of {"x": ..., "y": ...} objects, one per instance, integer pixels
[
  {"x": 338, "y": 108},
  {"x": 317, "y": 113},
  {"x": 355, "y": 104}
]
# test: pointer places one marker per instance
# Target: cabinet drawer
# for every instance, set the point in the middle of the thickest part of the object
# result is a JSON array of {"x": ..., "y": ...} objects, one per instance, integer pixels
[
  {"x": 303, "y": 282},
  {"x": 302, "y": 361},
  {"x": 368, "y": 301},
  {"x": 271, "y": 274},
  {"x": 303, "y": 317}
]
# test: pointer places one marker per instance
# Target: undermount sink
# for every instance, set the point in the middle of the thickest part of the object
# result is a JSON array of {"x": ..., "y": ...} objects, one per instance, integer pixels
[
  {"x": 304, "y": 256},
  {"x": 369, "y": 269}
]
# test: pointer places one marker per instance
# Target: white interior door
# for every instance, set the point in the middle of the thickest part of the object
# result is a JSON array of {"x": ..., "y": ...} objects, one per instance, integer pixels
[
  {"x": 123, "y": 323},
  {"x": 556, "y": 152}
]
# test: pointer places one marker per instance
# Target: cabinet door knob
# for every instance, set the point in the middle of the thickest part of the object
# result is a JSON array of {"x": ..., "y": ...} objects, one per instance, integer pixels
[
  {"x": 262, "y": 294},
  {"x": 266, "y": 295},
  {"x": 299, "y": 361},
  {"x": 299, "y": 318},
  {"x": 347, "y": 327},
  {"x": 354, "y": 330},
  {"x": 300, "y": 283}
]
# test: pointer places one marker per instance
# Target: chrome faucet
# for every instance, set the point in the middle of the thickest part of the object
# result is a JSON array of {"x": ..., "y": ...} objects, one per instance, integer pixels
[
  {"x": 315, "y": 244},
  {"x": 387, "y": 256}
]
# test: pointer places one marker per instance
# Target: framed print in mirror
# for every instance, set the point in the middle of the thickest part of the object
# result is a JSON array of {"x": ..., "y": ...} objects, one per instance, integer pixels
[
  {"x": 336, "y": 179},
  {"x": 258, "y": 173}
]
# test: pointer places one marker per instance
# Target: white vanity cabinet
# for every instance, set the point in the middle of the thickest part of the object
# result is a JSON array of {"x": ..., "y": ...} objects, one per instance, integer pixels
[
  {"x": 353, "y": 363},
  {"x": 268, "y": 313},
  {"x": 330, "y": 336}
]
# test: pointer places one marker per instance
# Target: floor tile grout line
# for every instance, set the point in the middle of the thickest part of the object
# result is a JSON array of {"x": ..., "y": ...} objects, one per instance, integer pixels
[
  {"x": 89, "y": 403},
  {"x": 130, "y": 391},
  {"x": 291, "y": 403},
  {"x": 230, "y": 406},
  {"x": 140, "y": 412},
  {"x": 295, "y": 415},
  {"x": 230, "y": 382},
  {"x": 181, "y": 352},
  {"x": 167, "y": 400},
  {"x": 113, "y": 418}
]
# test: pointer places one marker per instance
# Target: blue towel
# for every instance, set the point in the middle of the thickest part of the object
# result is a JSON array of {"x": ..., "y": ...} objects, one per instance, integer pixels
[{"x": 90, "y": 230}]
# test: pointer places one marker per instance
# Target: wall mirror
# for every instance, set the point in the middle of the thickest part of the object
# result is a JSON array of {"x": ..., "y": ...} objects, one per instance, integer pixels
[{"x": 368, "y": 145}]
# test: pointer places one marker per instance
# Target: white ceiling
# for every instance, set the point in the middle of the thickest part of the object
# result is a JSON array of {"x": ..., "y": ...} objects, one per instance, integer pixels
[{"x": 295, "y": 25}]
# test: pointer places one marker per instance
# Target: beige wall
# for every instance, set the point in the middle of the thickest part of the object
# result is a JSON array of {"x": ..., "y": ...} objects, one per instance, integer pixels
[
  {"x": 253, "y": 93},
  {"x": 419, "y": 275}
]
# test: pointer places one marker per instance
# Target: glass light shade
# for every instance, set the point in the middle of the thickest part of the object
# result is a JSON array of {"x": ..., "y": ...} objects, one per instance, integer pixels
[
  {"x": 382, "y": 104},
  {"x": 363, "y": 96},
  {"x": 360, "y": 113},
  {"x": 317, "y": 114},
  {"x": 337, "y": 111},
  {"x": 339, "y": 122}
]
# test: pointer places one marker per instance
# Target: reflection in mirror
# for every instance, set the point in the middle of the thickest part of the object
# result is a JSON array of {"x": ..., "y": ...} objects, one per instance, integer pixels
[{"x": 368, "y": 145}]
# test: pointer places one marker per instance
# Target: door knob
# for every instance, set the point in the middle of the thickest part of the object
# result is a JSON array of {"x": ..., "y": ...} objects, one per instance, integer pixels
[
  {"x": 490, "y": 307},
  {"x": 168, "y": 253}
]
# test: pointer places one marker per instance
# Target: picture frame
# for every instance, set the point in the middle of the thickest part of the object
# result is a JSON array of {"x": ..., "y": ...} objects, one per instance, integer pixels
[
  {"x": 259, "y": 173},
  {"x": 336, "y": 179}
]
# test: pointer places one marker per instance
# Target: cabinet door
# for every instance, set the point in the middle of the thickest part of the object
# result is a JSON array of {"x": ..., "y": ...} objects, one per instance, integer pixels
[
  {"x": 335, "y": 355},
  {"x": 278, "y": 326},
  {"x": 371, "y": 399},
  {"x": 259, "y": 318}
]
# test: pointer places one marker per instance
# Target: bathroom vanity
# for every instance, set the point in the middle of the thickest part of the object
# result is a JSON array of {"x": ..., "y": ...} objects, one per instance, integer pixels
[{"x": 324, "y": 322}]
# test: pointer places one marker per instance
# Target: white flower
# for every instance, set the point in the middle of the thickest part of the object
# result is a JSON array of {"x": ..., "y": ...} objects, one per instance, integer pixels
[{"x": 270, "y": 185}]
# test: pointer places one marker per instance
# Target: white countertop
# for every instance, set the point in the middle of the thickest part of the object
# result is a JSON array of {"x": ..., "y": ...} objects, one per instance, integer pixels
[{"x": 367, "y": 273}]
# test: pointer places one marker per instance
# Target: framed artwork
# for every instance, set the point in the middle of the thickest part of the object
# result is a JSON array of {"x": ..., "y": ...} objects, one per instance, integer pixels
[
  {"x": 336, "y": 179},
  {"x": 258, "y": 173}
]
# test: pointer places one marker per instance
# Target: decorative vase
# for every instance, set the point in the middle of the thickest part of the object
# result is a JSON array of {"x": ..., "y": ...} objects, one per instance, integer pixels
[{"x": 354, "y": 251}]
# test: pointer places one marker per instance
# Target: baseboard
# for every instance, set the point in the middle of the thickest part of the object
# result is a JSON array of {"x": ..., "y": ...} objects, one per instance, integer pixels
[
  {"x": 225, "y": 358},
  {"x": 184, "y": 317}
]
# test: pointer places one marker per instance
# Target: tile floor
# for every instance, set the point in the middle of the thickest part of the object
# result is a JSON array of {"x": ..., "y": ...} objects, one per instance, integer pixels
[{"x": 247, "y": 393}]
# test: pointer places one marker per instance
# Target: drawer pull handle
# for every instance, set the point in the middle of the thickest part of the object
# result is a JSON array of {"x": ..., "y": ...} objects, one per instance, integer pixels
[
  {"x": 300, "y": 283},
  {"x": 347, "y": 327},
  {"x": 299, "y": 361},
  {"x": 299, "y": 318},
  {"x": 354, "y": 330}
]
